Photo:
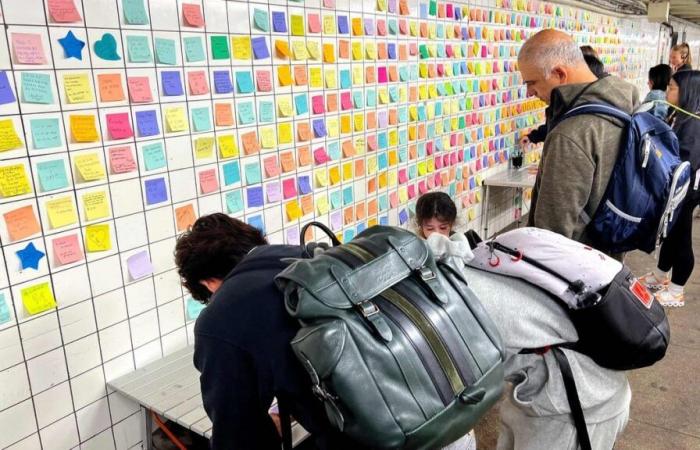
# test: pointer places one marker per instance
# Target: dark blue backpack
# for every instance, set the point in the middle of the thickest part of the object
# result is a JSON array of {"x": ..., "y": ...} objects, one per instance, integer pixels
[{"x": 648, "y": 183}]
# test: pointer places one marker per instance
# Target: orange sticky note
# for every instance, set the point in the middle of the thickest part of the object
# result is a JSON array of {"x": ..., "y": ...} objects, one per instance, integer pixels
[
  {"x": 303, "y": 131},
  {"x": 357, "y": 26},
  {"x": 344, "y": 48},
  {"x": 284, "y": 75},
  {"x": 223, "y": 114},
  {"x": 328, "y": 53},
  {"x": 110, "y": 85},
  {"x": 21, "y": 223},
  {"x": 304, "y": 156},
  {"x": 282, "y": 48},
  {"x": 307, "y": 204},
  {"x": 287, "y": 161},
  {"x": 184, "y": 217},
  {"x": 300, "y": 77},
  {"x": 250, "y": 142}
]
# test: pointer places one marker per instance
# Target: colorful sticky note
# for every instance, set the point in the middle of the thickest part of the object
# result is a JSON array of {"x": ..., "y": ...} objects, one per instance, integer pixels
[
  {"x": 165, "y": 51},
  {"x": 241, "y": 47},
  {"x": 194, "y": 49},
  {"x": 89, "y": 166},
  {"x": 9, "y": 140},
  {"x": 222, "y": 82},
  {"x": 184, "y": 217},
  {"x": 252, "y": 173},
  {"x": 97, "y": 238},
  {"x": 197, "y": 82},
  {"x": 28, "y": 48},
  {"x": 201, "y": 119},
  {"x": 66, "y": 249},
  {"x": 208, "y": 181},
  {"x": 147, "y": 123},
  {"x": 52, "y": 175},
  {"x": 192, "y": 15},
  {"x": 232, "y": 173},
  {"x": 172, "y": 83},
  {"x": 260, "y": 50},
  {"x": 72, "y": 46},
  {"x": 244, "y": 82},
  {"x": 140, "y": 89},
  {"x": 61, "y": 212},
  {"x": 255, "y": 197},
  {"x": 121, "y": 159},
  {"x": 83, "y": 128},
  {"x": 77, "y": 88},
  {"x": 261, "y": 20},
  {"x": 279, "y": 21},
  {"x": 193, "y": 308},
  {"x": 21, "y": 223},
  {"x": 223, "y": 114},
  {"x": 138, "y": 49},
  {"x": 153, "y": 156},
  {"x": 156, "y": 192},
  {"x": 14, "y": 181},
  {"x": 219, "y": 47},
  {"x": 296, "y": 23},
  {"x": 5, "y": 314},
  {"x": 134, "y": 12},
  {"x": 29, "y": 257},
  {"x": 106, "y": 48},
  {"x": 118, "y": 126},
  {"x": 38, "y": 298},
  {"x": 6, "y": 94},
  {"x": 110, "y": 86},
  {"x": 95, "y": 205},
  {"x": 175, "y": 119},
  {"x": 63, "y": 11},
  {"x": 139, "y": 265}
]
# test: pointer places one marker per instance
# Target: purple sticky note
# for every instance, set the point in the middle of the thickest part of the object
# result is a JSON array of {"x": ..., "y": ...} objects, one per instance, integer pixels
[
  {"x": 343, "y": 26},
  {"x": 172, "y": 83},
  {"x": 139, "y": 265},
  {"x": 293, "y": 237},
  {"x": 260, "y": 50},
  {"x": 274, "y": 192},
  {"x": 369, "y": 27},
  {"x": 156, "y": 192},
  {"x": 391, "y": 50},
  {"x": 403, "y": 216},
  {"x": 222, "y": 82},
  {"x": 392, "y": 6},
  {"x": 255, "y": 197},
  {"x": 319, "y": 127},
  {"x": 6, "y": 94},
  {"x": 336, "y": 221},
  {"x": 383, "y": 120},
  {"x": 304, "y": 184},
  {"x": 279, "y": 22},
  {"x": 147, "y": 123}
]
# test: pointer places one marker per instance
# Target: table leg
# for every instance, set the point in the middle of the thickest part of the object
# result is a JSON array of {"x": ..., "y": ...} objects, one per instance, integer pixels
[
  {"x": 485, "y": 212},
  {"x": 519, "y": 194},
  {"x": 147, "y": 428}
]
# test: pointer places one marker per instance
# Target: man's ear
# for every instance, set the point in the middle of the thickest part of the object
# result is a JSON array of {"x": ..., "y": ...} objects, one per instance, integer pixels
[
  {"x": 212, "y": 284},
  {"x": 560, "y": 74}
]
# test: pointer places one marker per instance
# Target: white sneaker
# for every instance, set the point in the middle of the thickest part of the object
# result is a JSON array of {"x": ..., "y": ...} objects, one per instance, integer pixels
[
  {"x": 652, "y": 282},
  {"x": 669, "y": 299}
]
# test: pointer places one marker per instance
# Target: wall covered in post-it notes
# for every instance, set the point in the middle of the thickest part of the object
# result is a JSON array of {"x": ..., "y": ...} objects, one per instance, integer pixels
[{"x": 122, "y": 121}]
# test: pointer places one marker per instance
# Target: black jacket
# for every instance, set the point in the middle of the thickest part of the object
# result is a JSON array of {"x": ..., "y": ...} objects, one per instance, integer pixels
[
  {"x": 242, "y": 351},
  {"x": 688, "y": 131}
]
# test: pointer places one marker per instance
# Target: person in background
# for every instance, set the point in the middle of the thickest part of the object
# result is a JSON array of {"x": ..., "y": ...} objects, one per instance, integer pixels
[
  {"x": 595, "y": 65},
  {"x": 659, "y": 77},
  {"x": 680, "y": 58},
  {"x": 579, "y": 154},
  {"x": 587, "y": 50},
  {"x": 242, "y": 337},
  {"x": 676, "y": 254}
]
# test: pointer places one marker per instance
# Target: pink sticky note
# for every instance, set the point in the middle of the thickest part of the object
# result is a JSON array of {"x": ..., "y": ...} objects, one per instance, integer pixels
[
  {"x": 263, "y": 79},
  {"x": 118, "y": 126},
  {"x": 121, "y": 160},
  {"x": 345, "y": 100},
  {"x": 289, "y": 188},
  {"x": 66, "y": 249},
  {"x": 320, "y": 155},
  {"x": 28, "y": 49},
  {"x": 140, "y": 90},
  {"x": 372, "y": 141},
  {"x": 63, "y": 11},
  {"x": 317, "y": 104},
  {"x": 381, "y": 27},
  {"x": 382, "y": 76},
  {"x": 139, "y": 265},
  {"x": 314, "y": 23},
  {"x": 271, "y": 167},
  {"x": 403, "y": 176},
  {"x": 273, "y": 192},
  {"x": 329, "y": 3},
  {"x": 208, "y": 181},
  {"x": 412, "y": 49},
  {"x": 193, "y": 15},
  {"x": 198, "y": 83},
  {"x": 438, "y": 163},
  {"x": 411, "y": 190}
]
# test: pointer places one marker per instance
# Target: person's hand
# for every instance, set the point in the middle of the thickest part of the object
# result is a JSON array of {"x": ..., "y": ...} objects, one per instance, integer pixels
[
  {"x": 525, "y": 140},
  {"x": 278, "y": 423}
]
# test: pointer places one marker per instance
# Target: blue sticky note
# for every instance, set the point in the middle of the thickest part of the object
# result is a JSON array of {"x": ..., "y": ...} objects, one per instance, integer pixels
[
  {"x": 260, "y": 50},
  {"x": 46, "y": 133},
  {"x": 156, "y": 192},
  {"x": 232, "y": 173},
  {"x": 301, "y": 104},
  {"x": 201, "y": 119},
  {"x": 319, "y": 127},
  {"x": 246, "y": 113},
  {"x": 304, "y": 183},
  {"x": 343, "y": 27},
  {"x": 391, "y": 50},
  {"x": 334, "y": 151},
  {"x": 252, "y": 173},
  {"x": 72, "y": 46},
  {"x": 193, "y": 308},
  {"x": 423, "y": 11},
  {"x": 266, "y": 112},
  {"x": 244, "y": 81},
  {"x": 106, "y": 48},
  {"x": 36, "y": 88},
  {"x": 172, "y": 83},
  {"x": 147, "y": 123},
  {"x": 279, "y": 22},
  {"x": 138, "y": 49},
  {"x": 345, "y": 80},
  {"x": 336, "y": 200},
  {"x": 257, "y": 222},
  {"x": 134, "y": 12},
  {"x": 384, "y": 220},
  {"x": 382, "y": 161},
  {"x": 234, "y": 201},
  {"x": 153, "y": 156},
  {"x": 52, "y": 175},
  {"x": 357, "y": 99},
  {"x": 361, "y": 227},
  {"x": 255, "y": 197},
  {"x": 194, "y": 49},
  {"x": 403, "y": 216},
  {"x": 6, "y": 94},
  {"x": 222, "y": 82},
  {"x": 347, "y": 195},
  {"x": 5, "y": 315},
  {"x": 29, "y": 257},
  {"x": 348, "y": 235},
  {"x": 165, "y": 51},
  {"x": 260, "y": 20}
]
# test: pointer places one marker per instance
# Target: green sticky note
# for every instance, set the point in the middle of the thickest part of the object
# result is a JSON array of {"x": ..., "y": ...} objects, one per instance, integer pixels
[
  {"x": 219, "y": 47},
  {"x": 52, "y": 175},
  {"x": 246, "y": 114},
  {"x": 261, "y": 20},
  {"x": 138, "y": 49},
  {"x": 433, "y": 8},
  {"x": 153, "y": 156},
  {"x": 234, "y": 201},
  {"x": 201, "y": 119},
  {"x": 46, "y": 133},
  {"x": 194, "y": 50},
  {"x": 266, "y": 112},
  {"x": 252, "y": 173},
  {"x": 165, "y": 51},
  {"x": 135, "y": 12},
  {"x": 36, "y": 88}
]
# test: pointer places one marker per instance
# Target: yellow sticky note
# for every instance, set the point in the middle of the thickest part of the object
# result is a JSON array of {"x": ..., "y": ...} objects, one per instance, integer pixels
[
  {"x": 371, "y": 51},
  {"x": 347, "y": 171},
  {"x": 203, "y": 147},
  {"x": 403, "y": 195},
  {"x": 471, "y": 214},
  {"x": 356, "y": 50},
  {"x": 14, "y": 181},
  {"x": 95, "y": 205},
  {"x": 315, "y": 77},
  {"x": 371, "y": 165},
  {"x": 299, "y": 50},
  {"x": 328, "y": 25},
  {"x": 83, "y": 128},
  {"x": 314, "y": 50},
  {"x": 381, "y": 5},
  {"x": 241, "y": 47},
  {"x": 321, "y": 178},
  {"x": 9, "y": 140},
  {"x": 296, "y": 23},
  {"x": 97, "y": 238},
  {"x": 227, "y": 146},
  {"x": 89, "y": 167},
  {"x": 357, "y": 76},
  {"x": 334, "y": 175},
  {"x": 284, "y": 74},
  {"x": 61, "y": 212},
  {"x": 331, "y": 80},
  {"x": 293, "y": 210},
  {"x": 384, "y": 97},
  {"x": 77, "y": 88},
  {"x": 175, "y": 119},
  {"x": 359, "y": 121},
  {"x": 332, "y": 126},
  {"x": 38, "y": 298},
  {"x": 267, "y": 137},
  {"x": 322, "y": 205},
  {"x": 393, "y": 178},
  {"x": 285, "y": 133},
  {"x": 284, "y": 106}
]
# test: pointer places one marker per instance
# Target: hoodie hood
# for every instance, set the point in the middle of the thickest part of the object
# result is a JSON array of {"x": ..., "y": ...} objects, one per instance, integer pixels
[{"x": 610, "y": 89}]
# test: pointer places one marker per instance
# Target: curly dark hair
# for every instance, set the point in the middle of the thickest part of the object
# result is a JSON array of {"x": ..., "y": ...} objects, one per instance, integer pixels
[
  {"x": 211, "y": 248},
  {"x": 435, "y": 204}
]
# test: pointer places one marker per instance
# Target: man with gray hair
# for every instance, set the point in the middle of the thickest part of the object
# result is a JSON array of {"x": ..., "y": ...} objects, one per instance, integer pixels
[{"x": 579, "y": 153}]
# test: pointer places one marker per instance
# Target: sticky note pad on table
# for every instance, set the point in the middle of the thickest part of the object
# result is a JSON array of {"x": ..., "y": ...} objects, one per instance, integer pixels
[
  {"x": 52, "y": 175},
  {"x": 89, "y": 166},
  {"x": 139, "y": 265},
  {"x": 9, "y": 140},
  {"x": 219, "y": 47},
  {"x": 138, "y": 49},
  {"x": 156, "y": 191},
  {"x": 83, "y": 128},
  {"x": 95, "y": 205},
  {"x": 77, "y": 88},
  {"x": 6, "y": 94},
  {"x": 14, "y": 181},
  {"x": 172, "y": 83},
  {"x": 21, "y": 223},
  {"x": 147, "y": 123},
  {"x": 153, "y": 156},
  {"x": 61, "y": 212},
  {"x": 38, "y": 298},
  {"x": 165, "y": 51},
  {"x": 66, "y": 249},
  {"x": 28, "y": 48},
  {"x": 194, "y": 49},
  {"x": 140, "y": 89},
  {"x": 118, "y": 126},
  {"x": 98, "y": 238}
]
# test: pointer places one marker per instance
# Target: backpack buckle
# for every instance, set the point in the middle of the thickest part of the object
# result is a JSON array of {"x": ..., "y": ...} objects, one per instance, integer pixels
[
  {"x": 426, "y": 273},
  {"x": 368, "y": 309},
  {"x": 321, "y": 393}
]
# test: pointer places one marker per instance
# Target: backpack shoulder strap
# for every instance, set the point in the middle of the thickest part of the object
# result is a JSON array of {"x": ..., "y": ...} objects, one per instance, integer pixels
[
  {"x": 572, "y": 396},
  {"x": 597, "y": 108}
]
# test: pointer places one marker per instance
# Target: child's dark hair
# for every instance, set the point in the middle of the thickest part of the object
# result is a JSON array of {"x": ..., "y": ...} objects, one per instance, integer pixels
[
  {"x": 435, "y": 204},
  {"x": 595, "y": 65},
  {"x": 214, "y": 245},
  {"x": 660, "y": 76}
]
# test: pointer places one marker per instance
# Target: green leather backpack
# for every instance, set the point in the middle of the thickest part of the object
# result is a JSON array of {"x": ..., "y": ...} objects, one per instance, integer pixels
[{"x": 398, "y": 348}]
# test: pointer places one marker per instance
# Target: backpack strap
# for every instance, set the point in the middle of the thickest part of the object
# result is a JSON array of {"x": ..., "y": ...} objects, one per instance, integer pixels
[
  {"x": 285, "y": 424},
  {"x": 595, "y": 108},
  {"x": 574, "y": 401}
]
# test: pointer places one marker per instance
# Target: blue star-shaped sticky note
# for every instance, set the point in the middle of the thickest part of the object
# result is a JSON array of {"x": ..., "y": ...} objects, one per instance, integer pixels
[
  {"x": 29, "y": 256},
  {"x": 72, "y": 46}
]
